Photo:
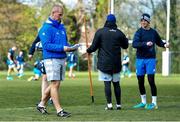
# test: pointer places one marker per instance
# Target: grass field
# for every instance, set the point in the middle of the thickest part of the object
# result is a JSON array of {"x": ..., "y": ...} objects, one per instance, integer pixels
[{"x": 18, "y": 99}]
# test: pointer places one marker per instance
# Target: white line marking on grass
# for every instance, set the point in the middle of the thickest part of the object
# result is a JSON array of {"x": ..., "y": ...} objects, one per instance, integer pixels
[{"x": 17, "y": 108}]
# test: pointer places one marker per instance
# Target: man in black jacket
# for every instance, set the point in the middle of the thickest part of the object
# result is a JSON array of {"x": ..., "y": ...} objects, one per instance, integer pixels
[{"x": 109, "y": 40}]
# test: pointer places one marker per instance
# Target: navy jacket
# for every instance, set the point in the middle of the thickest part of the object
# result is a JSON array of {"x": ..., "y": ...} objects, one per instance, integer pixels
[
  {"x": 33, "y": 46},
  {"x": 109, "y": 40},
  {"x": 141, "y": 37}
]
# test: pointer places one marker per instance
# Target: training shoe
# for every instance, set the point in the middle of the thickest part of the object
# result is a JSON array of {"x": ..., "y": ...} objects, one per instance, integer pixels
[
  {"x": 9, "y": 78},
  {"x": 42, "y": 110},
  {"x": 108, "y": 108},
  {"x": 140, "y": 105},
  {"x": 63, "y": 113},
  {"x": 151, "y": 106},
  {"x": 118, "y": 108}
]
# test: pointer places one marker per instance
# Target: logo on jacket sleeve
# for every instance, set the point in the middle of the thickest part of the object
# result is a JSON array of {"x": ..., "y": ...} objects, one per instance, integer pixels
[{"x": 62, "y": 32}]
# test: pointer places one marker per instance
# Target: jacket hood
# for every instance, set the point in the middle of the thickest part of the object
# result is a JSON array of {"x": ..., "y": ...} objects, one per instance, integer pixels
[
  {"x": 110, "y": 25},
  {"x": 55, "y": 23}
]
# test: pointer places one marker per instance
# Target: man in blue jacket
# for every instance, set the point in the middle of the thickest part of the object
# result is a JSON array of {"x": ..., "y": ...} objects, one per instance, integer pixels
[
  {"x": 54, "y": 42},
  {"x": 144, "y": 41}
]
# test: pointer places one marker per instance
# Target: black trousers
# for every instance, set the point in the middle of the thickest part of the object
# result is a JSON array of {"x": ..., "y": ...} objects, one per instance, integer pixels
[
  {"x": 108, "y": 93},
  {"x": 152, "y": 84}
]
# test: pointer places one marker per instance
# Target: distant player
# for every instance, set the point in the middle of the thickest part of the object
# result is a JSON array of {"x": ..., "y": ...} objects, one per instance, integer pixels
[
  {"x": 71, "y": 63},
  {"x": 144, "y": 41},
  {"x": 20, "y": 63},
  {"x": 38, "y": 69},
  {"x": 125, "y": 65},
  {"x": 11, "y": 62}
]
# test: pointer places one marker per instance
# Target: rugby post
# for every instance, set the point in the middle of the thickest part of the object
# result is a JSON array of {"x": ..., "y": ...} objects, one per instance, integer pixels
[
  {"x": 166, "y": 55},
  {"x": 89, "y": 65}
]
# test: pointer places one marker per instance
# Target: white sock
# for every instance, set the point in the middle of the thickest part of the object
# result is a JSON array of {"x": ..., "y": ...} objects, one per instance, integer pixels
[
  {"x": 59, "y": 110},
  {"x": 143, "y": 98},
  {"x": 41, "y": 105},
  {"x": 117, "y": 105},
  {"x": 154, "y": 100},
  {"x": 109, "y": 105}
]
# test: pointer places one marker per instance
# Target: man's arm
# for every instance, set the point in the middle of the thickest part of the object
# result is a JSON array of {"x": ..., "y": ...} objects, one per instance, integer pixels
[
  {"x": 125, "y": 43},
  {"x": 33, "y": 47},
  {"x": 95, "y": 43},
  {"x": 160, "y": 43},
  {"x": 136, "y": 41}
]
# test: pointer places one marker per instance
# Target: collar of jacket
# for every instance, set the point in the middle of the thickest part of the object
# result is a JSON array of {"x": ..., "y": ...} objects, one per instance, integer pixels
[
  {"x": 55, "y": 23},
  {"x": 110, "y": 25}
]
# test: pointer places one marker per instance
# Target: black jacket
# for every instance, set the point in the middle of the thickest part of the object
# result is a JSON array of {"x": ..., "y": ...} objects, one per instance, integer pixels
[
  {"x": 33, "y": 46},
  {"x": 109, "y": 40}
]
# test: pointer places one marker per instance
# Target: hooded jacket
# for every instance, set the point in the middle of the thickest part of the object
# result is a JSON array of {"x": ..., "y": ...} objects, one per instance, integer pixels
[
  {"x": 109, "y": 40},
  {"x": 53, "y": 37}
]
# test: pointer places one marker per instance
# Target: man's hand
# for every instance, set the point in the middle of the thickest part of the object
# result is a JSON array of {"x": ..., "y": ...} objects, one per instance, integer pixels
[
  {"x": 72, "y": 48},
  {"x": 166, "y": 45},
  {"x": 30, "y": 57}
]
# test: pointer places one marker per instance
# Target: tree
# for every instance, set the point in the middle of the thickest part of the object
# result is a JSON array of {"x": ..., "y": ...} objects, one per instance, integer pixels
[{"x": 18, "y": 26}]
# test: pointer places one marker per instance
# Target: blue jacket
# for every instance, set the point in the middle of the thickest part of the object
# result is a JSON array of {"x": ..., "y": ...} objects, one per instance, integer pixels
[
  {"x": 53, "y": 37},
  {"x": 141, "y": 37}
]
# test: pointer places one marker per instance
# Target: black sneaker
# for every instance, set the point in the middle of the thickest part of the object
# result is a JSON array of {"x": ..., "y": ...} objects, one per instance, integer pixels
[
  {"x": 63, "y": 113},
  {"x": 118, "y": 108},
  {"x": 108, "y": 108},
  {"x": 42, "y": 110}
]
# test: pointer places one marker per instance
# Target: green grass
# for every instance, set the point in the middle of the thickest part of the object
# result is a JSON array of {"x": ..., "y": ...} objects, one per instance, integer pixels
[{"x": 18, "y": 99}]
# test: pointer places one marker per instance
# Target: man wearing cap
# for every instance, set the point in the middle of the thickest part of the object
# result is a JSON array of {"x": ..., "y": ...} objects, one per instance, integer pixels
[
  {"x": 144, "y": 41},
  {"x": 109, "y": 40}
]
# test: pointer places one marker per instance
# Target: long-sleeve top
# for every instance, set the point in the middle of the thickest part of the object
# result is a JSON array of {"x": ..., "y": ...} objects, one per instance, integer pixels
[{"x": 140, "y": 40}]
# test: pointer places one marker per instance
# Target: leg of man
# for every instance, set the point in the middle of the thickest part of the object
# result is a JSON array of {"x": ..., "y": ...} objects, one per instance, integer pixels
[
  {"x": 41, "y": 106},
  {"x": 55, "y": 70},
  {"x": 142, "y": 92},
  {"x": 117, "y": 92},
  {"x": 142, "y": 89},
  {"x": 70, "y": 72},
  {"x": 152, "y": 85},
  {"x": 153, "y": 92},
  {"x": 55, "y": 95},
  {"x": 44, "y": 84},
  {"x": 9, "y": 71},
  {"x": 151, "y": 70},
  {"x": 108, "y": 94},
  {"x": 140, "y": 72}
]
